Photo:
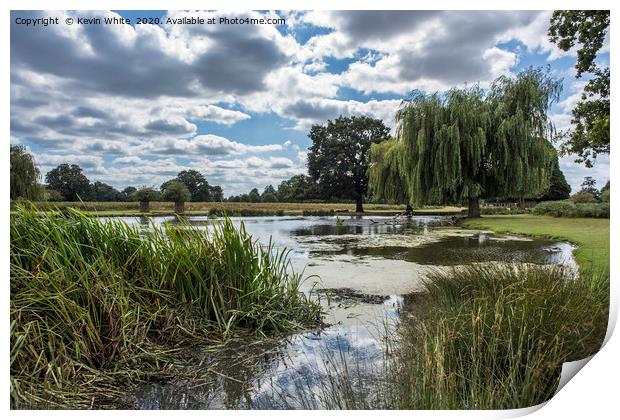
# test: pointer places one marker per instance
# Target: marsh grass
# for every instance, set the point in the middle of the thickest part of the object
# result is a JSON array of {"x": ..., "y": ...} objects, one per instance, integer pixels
[
  {"x": 488, "y": 336},
  {"x": 96, "y": 304}
]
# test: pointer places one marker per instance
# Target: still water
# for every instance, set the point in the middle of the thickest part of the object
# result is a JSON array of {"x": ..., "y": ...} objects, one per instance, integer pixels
[{"x": 368, "y": 266}]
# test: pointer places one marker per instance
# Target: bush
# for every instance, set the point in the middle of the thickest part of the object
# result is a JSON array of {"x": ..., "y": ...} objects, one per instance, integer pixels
[
  {"x": 593, "y": 210},
  {"x": 566, "y": 208},
  {"x": 583, "y": 197},
  {"x": 605, "y": 196},
  {"x": 562, "y": 208}
]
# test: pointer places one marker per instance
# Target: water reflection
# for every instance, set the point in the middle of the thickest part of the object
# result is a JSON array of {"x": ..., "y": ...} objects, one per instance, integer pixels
[{"x": 368, "y": 265}]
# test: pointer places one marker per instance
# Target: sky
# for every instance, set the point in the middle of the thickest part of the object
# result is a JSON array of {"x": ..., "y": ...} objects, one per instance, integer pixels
[{"x": 134, "y": 104}]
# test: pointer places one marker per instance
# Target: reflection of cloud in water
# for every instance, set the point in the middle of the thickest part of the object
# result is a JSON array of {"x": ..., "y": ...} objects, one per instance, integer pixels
[{"x": 376, "y": 257}]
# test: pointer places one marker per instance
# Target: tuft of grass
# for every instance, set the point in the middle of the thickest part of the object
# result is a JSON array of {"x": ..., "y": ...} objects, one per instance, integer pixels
[
  {"x": 92, "y": 299},
  {"x": 479, "y": 337},
  {"x": 495, "y": 336}
]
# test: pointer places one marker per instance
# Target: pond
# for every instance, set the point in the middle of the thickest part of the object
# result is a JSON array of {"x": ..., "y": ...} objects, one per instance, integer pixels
[{"x": 362, "y": 269}]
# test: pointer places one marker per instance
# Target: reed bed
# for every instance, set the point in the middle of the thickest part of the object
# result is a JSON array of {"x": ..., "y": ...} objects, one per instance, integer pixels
[
  {"x": 97, "y": 304},
  {"x": 488, "y": 336}
]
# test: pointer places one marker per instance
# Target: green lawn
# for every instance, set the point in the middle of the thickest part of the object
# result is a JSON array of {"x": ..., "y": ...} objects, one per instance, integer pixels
[{"x": 591, "y": 235}]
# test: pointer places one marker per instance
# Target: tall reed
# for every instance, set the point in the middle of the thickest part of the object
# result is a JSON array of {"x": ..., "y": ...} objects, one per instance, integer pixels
[
  {"x": 488, "y": 336},
  {"x": 88, "y": 296}
]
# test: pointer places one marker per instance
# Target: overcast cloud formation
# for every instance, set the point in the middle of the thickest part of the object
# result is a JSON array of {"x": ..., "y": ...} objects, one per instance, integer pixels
[{"x": 136, "y": 104}]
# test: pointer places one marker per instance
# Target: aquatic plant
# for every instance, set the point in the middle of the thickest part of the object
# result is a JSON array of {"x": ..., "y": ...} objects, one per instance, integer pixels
[
  {"x": 94, "y": 299},
  {"x": 480, "y": 337}
]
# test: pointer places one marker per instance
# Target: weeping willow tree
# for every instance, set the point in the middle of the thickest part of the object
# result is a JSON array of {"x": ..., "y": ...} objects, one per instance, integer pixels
[
  {"x": 386, "y": 172},
  {"x": 464, "y": 145},
  {"x": 24, "y": 175}
]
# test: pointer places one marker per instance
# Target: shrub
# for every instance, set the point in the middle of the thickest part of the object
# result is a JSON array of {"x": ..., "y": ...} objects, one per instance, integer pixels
[
  {"x": 562, "y": 208},
  {"x": 593, "y": 210},
  {"x": 566, "y": 208},
  {"x": 605, "y": 196},
  {"x": 583, "y": 197}
]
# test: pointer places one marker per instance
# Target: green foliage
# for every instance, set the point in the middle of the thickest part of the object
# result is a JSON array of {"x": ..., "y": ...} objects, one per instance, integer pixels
[
  {"x": 563, "y": 208},
  {"x": 591, "y": 119},
  {"x": 463, "y": 146},
  {"x": 573, "y": 208},
  {"x": 254, "y": 196},
  {"x": 589, "y": 186},
  {"x": 145, "y": 195},
  {"x": 296, "y": 189},
  {"x": 93, "y": 303},
  {"x": 128, "y": 193},
  {"x": 104, "y": 192},
  {"x": 386, "y": 172},
  {"x": 197, "y": 185},
  {"x": 583, "y": 197},
  {"x": 52, "y": 195},
  {"x": 558, "y": 187},
  {"x": 24, "y": 175},
  {"x": 69, "y": 181},
  {"x": 339, "y": 155},
  {"x": 495, "y": 336},
  {"x": 176, "y": 191},
  {"x": 605, "y": 195}
]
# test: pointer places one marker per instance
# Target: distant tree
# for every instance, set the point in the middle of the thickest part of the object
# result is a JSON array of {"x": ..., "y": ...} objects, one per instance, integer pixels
[
  {"x": 103, "y": 192},
  {"x": 177, "y": 192},
  {"x": 269, "y": 195},
  {"x": 605, "y": 193},
  {"x": 196, "y": 184},
  {"x": 338, "y": 157},
  {"x": 216, "y": 193},
  {"x": 589, "y": 186},
  {"x": 586, "y": 28},
  {"x": 254, "y": 196},
  {"x": 69, "y": 181},
  {"x": 145, "y": 195},
  {"x": 297, "y": 188},
  {"x": 24, "y": 175},
  {"x": 52, "y": 195},
  {"x": 128, "y": 193},
  {"x": 558, "y": 187}
]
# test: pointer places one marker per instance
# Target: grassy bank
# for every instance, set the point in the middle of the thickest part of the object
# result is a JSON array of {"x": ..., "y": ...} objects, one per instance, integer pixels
[
  {"x": 490, "y": 336},
  {"x": 591, "y": 235},
  {"x": 96, "y": 305},
  {"x": 480, "y": 337},
  {"x": 229, "y": 208}
]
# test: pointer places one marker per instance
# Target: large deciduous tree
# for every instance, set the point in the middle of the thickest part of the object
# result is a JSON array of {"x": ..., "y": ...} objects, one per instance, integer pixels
[
  {"x": 338, "y": 157},
  {"x": 101, "y": 191},
  {"x": 558, "y": 189},
  {"x": 24, "y": 175},
  {"x": 465, "y": 145},
  {"x": 69, "y": 181},
  {"x": 589, "y": 136}
]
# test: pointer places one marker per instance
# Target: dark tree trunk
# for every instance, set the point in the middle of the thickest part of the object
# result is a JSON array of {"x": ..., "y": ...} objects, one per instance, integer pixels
[
  {"x": 521, "y": 203},
  {"x": 359, "y": 208},
  {"x": 409, "y": 209},
  {"x": 474, "y": 208},
  {"x": 179, "y": 207},
  {"x": 144, "y": 206}
]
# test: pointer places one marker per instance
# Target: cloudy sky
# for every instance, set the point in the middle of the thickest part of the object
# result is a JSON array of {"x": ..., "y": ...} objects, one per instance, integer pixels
[{"x": 136, "y": 104}]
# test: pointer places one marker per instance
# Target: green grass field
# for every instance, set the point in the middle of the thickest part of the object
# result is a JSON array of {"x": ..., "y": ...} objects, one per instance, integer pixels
[{"x": 591, "y": 235}]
